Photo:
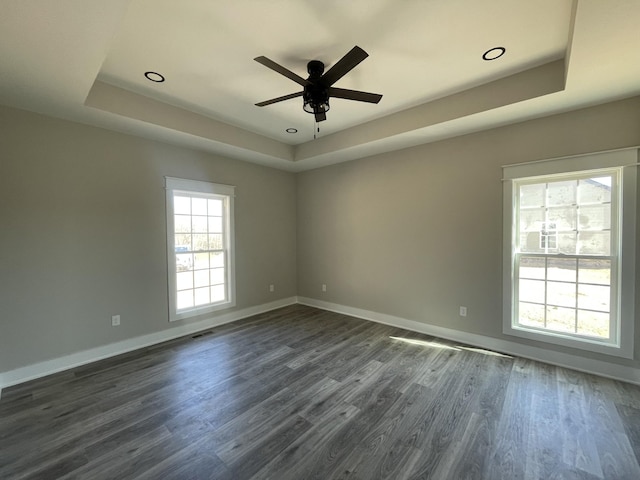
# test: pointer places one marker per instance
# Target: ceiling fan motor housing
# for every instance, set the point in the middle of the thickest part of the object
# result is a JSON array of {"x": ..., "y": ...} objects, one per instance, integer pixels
[{"x": 315, "y": 69}]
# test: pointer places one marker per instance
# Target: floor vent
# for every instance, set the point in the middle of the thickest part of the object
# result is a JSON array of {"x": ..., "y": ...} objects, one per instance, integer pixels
[{"x": 202, "y": 334}]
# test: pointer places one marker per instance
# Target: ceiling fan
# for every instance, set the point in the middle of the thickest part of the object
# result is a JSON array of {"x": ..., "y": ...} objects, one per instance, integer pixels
[{"x": 318, "y": 88}]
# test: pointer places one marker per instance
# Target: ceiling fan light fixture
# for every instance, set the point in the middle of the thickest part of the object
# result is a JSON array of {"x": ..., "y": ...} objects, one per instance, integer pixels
[
  {"x": 311, "y": 106},
  {"x": 315, "y": 100}
]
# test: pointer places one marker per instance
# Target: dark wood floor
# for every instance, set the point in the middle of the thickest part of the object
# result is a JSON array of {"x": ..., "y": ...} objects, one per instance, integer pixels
[{"x": 301, "y": 393}]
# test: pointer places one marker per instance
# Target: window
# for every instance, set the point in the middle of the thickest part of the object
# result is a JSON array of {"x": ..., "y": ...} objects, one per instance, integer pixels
[
  {"x": 548, "y": 236},
  {"x": 200, "y": 247},
  {"x": 570, "y": 251}
]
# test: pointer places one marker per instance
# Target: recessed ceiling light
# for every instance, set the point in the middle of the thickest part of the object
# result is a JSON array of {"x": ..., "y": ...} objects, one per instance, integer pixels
[
  {"x": 291, "y": 130},
  {"x": 493, "y": 53},
  {"x": 154, "y": 77}
]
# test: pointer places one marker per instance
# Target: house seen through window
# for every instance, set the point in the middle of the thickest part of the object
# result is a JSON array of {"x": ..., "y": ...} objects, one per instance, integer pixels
[{"x": 564, "y": 261}]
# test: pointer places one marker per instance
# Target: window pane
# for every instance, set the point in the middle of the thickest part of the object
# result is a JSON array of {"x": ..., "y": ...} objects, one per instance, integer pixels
[
  {"x": 201, "y": 296},
  {"x": 184, "y": 299},
  {"x": 561, "y": 319},
  {"x": 215, "y": 207},
  {"x": 561, "y": 193},
  {"x": 568, "y": 243},
  {"x": 595, "y": 243},
  {"x": 594, "y": 297},
  {"x": 531, "y": 314},
  {"x": 199, "y": 224},
  {"x": 215, "y": 242},
  {"x": 532, "y": 291},
  {"x": 201, "y": 261},
  {"x": 201, "y": 278},
  {"x": 594, "y": 324},
  {"x": 530, "y": 242},
  {"x": 184, "y": 280},
  {"x": 199, "y": 206},
  {"x": 184, "y": 262},
  {"x": 532, "y": 267},
  {"x": 594, "y": 190},
  {"x": 215, "y": 224},
  {"x": 595, "y": 217},
  {"x": 218, "y": 293},
  {"x": 200, "y": 242},
  {"x": 563, "y": 269},
  {"x": 183, "y": 242},
  {"x": 594, "y": 271},
  {"x": 564, "y": 218},
  {"x": 216, "y": 259},
  {"x": 181, "y": 205},
  {"x": 532, "y": 195},
  {"x": 530, "y": 220},
  {"x": 561, "y": 294},
  {"x": 216, "y": 276},
  {"x": 182, "y": 223}
]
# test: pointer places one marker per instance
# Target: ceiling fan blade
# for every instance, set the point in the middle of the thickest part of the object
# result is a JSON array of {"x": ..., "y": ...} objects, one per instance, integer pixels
[
  {"x": 320, "y": 116},
  {"x": 281, "y": 70},
  {"x": 354, "y": 95},
  {"x": 279, "y": 99},
  {"x": 344, "y": 66}
]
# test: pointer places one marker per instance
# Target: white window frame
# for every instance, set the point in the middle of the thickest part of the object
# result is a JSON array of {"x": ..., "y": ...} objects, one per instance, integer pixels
[
  {"x": 194, "y": 187},
  {"x": 623, "y": 272}
]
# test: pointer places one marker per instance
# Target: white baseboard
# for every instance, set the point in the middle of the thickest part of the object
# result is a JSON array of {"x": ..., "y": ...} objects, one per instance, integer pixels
[
  {"x": 596, "y": 367},
  {"x": 41, "y": 369},
  {"x": 580, "y": 363}
]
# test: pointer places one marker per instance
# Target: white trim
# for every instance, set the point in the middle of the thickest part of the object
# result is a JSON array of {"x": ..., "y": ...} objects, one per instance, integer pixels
[
  {"x": 580, "y": 155},
  {"x": 41, "y": 369},
  {"x": 574, "y": 163},
  {"x": 188, "y": 187},
  {"x": 174, "y": 183},
  {"x": 582, "y": 364}
]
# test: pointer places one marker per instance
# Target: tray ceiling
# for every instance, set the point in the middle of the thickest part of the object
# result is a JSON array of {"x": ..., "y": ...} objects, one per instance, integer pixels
[{"x": 85, "y": 61}]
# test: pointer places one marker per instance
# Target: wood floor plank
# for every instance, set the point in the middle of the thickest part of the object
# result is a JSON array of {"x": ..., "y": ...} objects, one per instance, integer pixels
[
  {"x": 507, "y": 458},
  {"x": 326, "y": 461},
  {"x": 436, "y": 436},
  {"x": 302, "y": 393},
  {"x": 578, "y": 445},
  {"x": 544, "y": 456},
  {"x": 475, "y": 439},
  {"x": 296, "y": 461},
  {"x": 195, "y": 461},
  {"x": 270, "y": 445}
]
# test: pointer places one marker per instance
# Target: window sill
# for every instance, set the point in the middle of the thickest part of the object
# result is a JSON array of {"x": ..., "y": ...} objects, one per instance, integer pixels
[
  {"x": 197, "y": 311},
  {"x": 581, "y": 343}
]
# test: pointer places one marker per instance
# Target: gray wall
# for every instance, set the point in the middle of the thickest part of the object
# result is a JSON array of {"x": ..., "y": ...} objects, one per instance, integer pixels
[
  {"x": 413, "y": 233},
  {"x": 82, "y": 234},
  {"x": 418, "y": 233}
]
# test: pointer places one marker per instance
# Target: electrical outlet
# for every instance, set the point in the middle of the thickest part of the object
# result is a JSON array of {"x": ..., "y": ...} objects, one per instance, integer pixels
[
  {"x": 272, "y": 288},
  {"x": 115, "y": 320},
  {"x": 463, "y": 311},
  {"x": 324, "y": 287}
]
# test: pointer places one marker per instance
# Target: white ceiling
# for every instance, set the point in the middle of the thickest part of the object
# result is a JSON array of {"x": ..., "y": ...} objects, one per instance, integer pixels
[{"x": 85, "y": 60}]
